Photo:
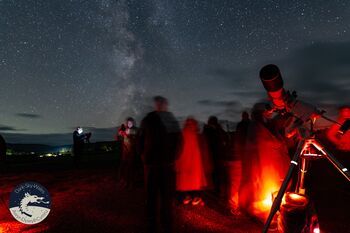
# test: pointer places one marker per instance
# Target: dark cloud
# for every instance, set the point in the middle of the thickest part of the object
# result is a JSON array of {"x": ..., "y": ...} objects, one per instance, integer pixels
[
  {"x": 28, "y": 115},
  {"x": 228, "y": 109},
  {"x": 7, "y": 128},
  {"x": 102, "y": 134},
  {"x": 48, "y": 139},
  {"x": 220, "y": 103},
  {"x": 240, "y": 78},
  {"x": 247, "y": 93},
  {"x": 320, "y": 73},
  {"x": 232, "y": 113}
]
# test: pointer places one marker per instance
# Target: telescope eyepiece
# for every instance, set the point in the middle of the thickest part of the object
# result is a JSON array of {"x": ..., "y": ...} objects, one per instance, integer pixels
[{"x": 344, "y": 127}]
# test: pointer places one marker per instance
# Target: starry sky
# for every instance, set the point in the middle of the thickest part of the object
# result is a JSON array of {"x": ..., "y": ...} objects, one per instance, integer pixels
[{"x": 92, "y": 63}]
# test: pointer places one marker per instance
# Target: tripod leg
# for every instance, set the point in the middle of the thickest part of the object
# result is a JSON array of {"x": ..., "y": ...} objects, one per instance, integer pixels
[
  {"x": 301, "y": 179},
  {"x": 343, "y": 170},
  {"x": 277, "y": 202}
]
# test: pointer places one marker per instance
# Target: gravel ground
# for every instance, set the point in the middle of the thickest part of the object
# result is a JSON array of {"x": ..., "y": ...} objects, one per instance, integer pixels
[{"x": 88, "y": 199}]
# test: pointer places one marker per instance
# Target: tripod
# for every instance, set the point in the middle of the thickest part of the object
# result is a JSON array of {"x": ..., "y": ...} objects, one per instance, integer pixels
[{"x": 305, "y": 152}]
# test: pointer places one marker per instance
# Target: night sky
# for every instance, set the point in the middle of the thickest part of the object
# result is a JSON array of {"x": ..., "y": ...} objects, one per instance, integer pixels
[{"x": 92, "y": 63}]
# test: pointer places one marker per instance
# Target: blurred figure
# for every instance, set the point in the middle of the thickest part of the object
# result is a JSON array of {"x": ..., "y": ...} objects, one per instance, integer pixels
[
  {"x": 79, "y": 140},
  {"x": 234, "y": 165},
  {"x": 216, "y": 140},
  {"x": 3, "y": 149},
  {"x": 241, "y": 133},
  {"x": 160, "y": 142},
  {"x": 127, "y": 134},
  {"x": 193, "y": 166},
  {"x": 265, "y": 163},
  {"x": 342, "y": 142}
]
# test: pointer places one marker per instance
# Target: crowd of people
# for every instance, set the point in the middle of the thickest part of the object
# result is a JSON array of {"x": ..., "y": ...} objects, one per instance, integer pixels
[
  {"x": 183, "y": 159},
  {"x": 188, "y": 161}
]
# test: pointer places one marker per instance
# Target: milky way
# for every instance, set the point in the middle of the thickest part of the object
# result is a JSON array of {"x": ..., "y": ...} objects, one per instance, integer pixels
[{"x": 92, "y": 63}]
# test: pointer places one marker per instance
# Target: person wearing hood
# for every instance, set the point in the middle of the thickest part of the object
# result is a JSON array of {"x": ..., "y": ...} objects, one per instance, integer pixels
[{"x": 127, "y": 134}]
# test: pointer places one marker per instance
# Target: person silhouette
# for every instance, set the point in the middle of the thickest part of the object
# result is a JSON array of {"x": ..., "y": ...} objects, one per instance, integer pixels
[
  {"x": 193, "y": 165},
  {"x": 127, "y": 134},
  {"x": 79, "y": 140},
  {"x": 216, "y": 140},
  {"x": 160, "y": 142},
  {"x": 241, "y": 134}
]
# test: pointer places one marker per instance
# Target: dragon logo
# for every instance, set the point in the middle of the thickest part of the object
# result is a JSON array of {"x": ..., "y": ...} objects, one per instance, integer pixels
[{"x": 30, "y": 203}]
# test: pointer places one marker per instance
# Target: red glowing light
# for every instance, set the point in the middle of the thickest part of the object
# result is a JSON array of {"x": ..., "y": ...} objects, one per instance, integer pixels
[
  {"x": 295, "y": 199},
  {"x": 341, "y": 142},
  {"x": 264, "y": 166}
]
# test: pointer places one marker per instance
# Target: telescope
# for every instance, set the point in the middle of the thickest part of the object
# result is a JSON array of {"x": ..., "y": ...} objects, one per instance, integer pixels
[
  {"x": 309, "y": 148},
  {"x": 285, "y": 102}
]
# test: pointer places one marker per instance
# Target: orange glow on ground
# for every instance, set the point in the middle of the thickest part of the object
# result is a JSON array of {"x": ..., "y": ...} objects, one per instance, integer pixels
[{"x": 262, "y": 208}]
